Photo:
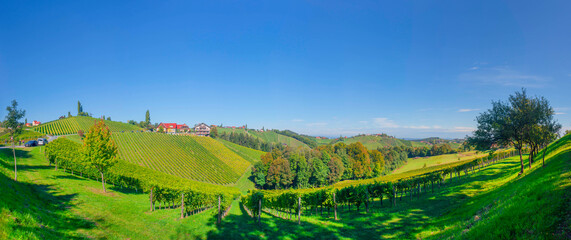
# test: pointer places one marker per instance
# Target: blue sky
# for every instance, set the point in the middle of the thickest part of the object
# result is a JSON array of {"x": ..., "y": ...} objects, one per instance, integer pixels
[{"x": 406, "y": 68}]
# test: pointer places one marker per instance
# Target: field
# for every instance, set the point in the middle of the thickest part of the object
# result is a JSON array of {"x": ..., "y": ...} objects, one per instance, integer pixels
[
  {"x": 417, "y": 163},
  {"x": 71, "y": 125},
  {"x": 198, "y": 158},
  {"x": 493, "y": 203}
]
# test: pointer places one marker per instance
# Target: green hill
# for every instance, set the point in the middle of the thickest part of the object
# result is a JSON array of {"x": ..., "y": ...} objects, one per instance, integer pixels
[
  {"x": 71, "y": 125},
  {"x": 374, "y": 141},
  {"x": 267, "y": 136},
  {"x": 198, "y": 158}
]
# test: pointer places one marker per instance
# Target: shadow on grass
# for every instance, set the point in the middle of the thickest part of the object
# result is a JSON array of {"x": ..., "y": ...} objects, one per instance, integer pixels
[{"x": 39, "y": 211}]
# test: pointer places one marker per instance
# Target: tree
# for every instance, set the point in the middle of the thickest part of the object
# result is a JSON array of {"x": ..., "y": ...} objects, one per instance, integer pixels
[
  {"x": 79, "y": 109},
  {"x": 515, "y": 122},
  {"x": 108, "y": 118},
  {"x": 214, "y": 132},
  {"x": 68, "y": 114},
  {"x": 161, "y": 129},
  {"x": 279, "y": 173},
  {"x": 14, "y": 126},
  {"x": 148, "y": 118},
  {"x": 99, "y": 150},
  {"x": 378, "y": 162},
  {"x": 336, "y": 170}
]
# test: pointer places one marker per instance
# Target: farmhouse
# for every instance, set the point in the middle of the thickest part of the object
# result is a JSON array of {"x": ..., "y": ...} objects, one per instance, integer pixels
[
  {"x": 36, "y": 123},
  {"x": 173, "y": 127},
  {"x": 201, "y": 129}
]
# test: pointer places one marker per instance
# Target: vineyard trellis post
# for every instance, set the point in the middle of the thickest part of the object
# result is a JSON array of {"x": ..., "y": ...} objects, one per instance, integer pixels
[
  {"x": 335, "y": 203},
  {"x": 299, "y": 211},
  {"x": 259, "y": 210},
  {"x": 219, "y": 219},
  {"x": 151, "y": 199},
  {"x": 182, "y": 206}
]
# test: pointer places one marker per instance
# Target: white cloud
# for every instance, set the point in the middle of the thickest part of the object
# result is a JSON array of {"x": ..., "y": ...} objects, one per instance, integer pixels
[
  {"x": 385, "y": 123},
  {"x": 462, "y": 129},
  {"x": 468, "y": 109},
  {"x": 474, "y": 68},
  {"x": 559, "y": 113},
  {"x": 504, "y": 76},
  {"x": 297, "y": 120},
  {"x": 418, "y": 127}
]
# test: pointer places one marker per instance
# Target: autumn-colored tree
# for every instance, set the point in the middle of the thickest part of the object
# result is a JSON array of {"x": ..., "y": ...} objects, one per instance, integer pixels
[
  {"x": 378, "y": 162},
  {"x": 336, "y": 170},
  {"x": 279, "y": 174},
  {"x": 361, "y": 160},
  {"x": 99, "y": 150}
]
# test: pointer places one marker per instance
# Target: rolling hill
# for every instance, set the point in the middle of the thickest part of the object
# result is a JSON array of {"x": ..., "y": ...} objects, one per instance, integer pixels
[
  {"x": 71, "y": 125},
  {"x": 197, "y": 158},
  {"x": 374, "y": 141},
  {"x": 267, "y": 136}
]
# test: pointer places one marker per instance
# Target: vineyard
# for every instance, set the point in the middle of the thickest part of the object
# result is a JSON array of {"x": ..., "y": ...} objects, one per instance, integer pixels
[
  {"x": 71, "y": 125},
  {"x": 197, "y": 158},
  {"x": 249, "y": 154},
  {"x": 362, "y": 192},
  {"x": 267, "y": 136},
  {"x": 165, "y": 191}
]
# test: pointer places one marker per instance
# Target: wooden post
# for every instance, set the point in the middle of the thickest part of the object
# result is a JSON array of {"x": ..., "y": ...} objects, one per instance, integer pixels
[
  {"x": 219, "y": 217},
  {"x": 259, "y": 210},
  {"x": 394, "y": 196},
  {"x": 335, "y": 203},
  {"x": 299, "y": 210},
  {"x": 151, "y": 199},
  {"x": 182, "y": 207}
]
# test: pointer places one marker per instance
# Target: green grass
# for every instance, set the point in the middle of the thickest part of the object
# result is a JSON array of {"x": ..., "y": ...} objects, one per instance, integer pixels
[
  {"x": 49, "y": 204},
  {"x": 494, "y": 203},
  {"x": 252, "y": 155},
  {"x": 197, "y": 158},
  {"x": 418, "y": 163},
  {"x": 73, "y": 124}
]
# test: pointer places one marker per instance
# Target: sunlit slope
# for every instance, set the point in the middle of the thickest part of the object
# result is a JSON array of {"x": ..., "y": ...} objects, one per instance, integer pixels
[
  {"x": 252, "y": 155},
  {"x": 192, "y": 157},
  {"x": 71, "y": 125},
  {"x": 374, "y": 142}
]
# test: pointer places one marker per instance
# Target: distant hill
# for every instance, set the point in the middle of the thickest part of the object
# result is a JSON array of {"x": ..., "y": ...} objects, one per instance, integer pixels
[
  {"x": 376, "y": 141},
  {"x": 198, "y": 158},
  {"x": 454, "y": 143},
  {"x": 71, "y": 125}
]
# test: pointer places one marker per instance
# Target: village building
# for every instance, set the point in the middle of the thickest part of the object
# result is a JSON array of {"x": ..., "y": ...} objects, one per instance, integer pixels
[
  {"x": 201, "y": 129},
  {"x": 36, "y": 123},
  {"x": 173, "y": 127}
]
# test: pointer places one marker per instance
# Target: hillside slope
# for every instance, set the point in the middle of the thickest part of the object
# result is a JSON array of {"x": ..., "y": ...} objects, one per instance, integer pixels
[
  {"x": 374, "y": 142},
  {"x": 198, "y": 158},
  {"x": 71, "y": 125},
  {"x": 267, "y": 136}
]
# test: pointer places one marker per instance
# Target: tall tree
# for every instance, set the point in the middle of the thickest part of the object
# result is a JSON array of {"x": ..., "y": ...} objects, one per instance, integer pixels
[
  {"x": 336, "y": 170},
  {"x": 148, "y": 118},
  {"x": 214, "y": 132},
  {"x": 99, "y": 150},
  {"x": 79, "y": 109},
  {"x": 14, "y": 126}
]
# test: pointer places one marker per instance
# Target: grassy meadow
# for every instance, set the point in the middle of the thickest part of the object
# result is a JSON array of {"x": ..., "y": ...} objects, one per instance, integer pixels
[{"x": 423, "y": 162}]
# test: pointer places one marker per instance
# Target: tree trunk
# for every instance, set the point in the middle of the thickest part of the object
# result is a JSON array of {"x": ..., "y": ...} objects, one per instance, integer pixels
[
  {"x": 335, "y": 203},
  {"x": 259, "y": 210},
  {"x": 103, "y": 182},
  {"x": 543, "y": 161},
  {"x": 151, "y": 199},
  {"x": 15, "y": 162},
  {"x": 219, "y": 212},
  {"x": 521, "y": 162}
]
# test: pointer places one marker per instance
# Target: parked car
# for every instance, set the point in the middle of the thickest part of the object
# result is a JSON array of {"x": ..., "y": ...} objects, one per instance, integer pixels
[
  {"x": 42, "y": 141},
  {"x": 32, "y": 143}
]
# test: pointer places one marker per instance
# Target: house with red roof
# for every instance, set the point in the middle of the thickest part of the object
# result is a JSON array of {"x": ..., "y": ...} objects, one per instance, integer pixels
[
  {"x": 173, "y": 127},
  {"x": 36, "y": 123}
]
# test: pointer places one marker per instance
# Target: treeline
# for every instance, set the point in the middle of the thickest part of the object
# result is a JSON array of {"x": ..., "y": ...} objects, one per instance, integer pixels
[
  {"x": 321, "y": 166},
  {"x": 250, "y": 141},
  {"x": 292, "y": 203},
  {"x": 302, "y": 138},
  {"x": 165, "y": 191},
  {"x": 434, "y": 150}
]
